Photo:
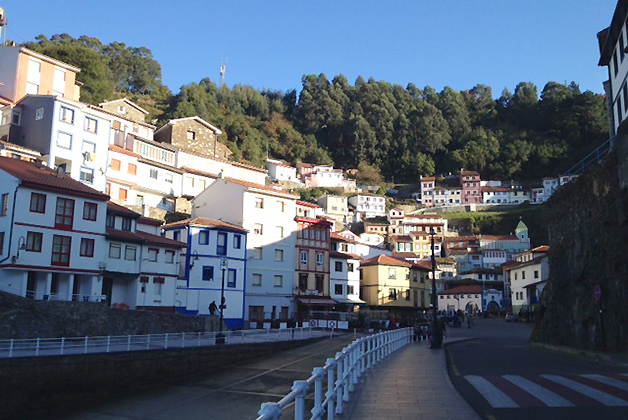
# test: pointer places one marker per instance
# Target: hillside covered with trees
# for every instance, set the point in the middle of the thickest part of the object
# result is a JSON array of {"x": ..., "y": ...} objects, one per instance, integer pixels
[{"x": 404, "y": 132}]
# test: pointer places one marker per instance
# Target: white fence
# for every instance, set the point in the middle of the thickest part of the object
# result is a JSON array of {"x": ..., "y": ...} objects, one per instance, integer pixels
[
  {"x": 119, "y": 343},
  {"x": 343, "y": 372}
]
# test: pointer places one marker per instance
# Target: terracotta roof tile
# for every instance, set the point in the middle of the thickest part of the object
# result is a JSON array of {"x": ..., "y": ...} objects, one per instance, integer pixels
[
  {"x": 385, "y": 260},
  {"x": 459, "y": 290},
  {"x": 204, "y": 221},
  {"x": 160, "y": 240},
  {"x": 117, "y": 208}
]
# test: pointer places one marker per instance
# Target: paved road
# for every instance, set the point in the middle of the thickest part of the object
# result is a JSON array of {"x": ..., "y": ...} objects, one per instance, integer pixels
[
  {"x": 504, "y": 378},
  {"x": 229, "y": 393}
]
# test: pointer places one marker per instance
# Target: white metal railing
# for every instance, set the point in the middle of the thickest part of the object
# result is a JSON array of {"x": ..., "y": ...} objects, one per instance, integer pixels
[
  {"x": 119, "y": 343},
  {"x": 59, "y": 297},
  {"x": 343, "y": 374}
]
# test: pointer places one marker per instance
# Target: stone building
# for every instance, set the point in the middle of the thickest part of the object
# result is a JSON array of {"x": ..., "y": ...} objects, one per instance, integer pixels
[{"x": 195, "y": 134}]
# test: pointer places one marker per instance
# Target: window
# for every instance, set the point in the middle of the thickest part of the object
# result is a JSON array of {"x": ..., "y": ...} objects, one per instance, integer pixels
[
  {"x": 132, "y": 169},
  {"x": 168, "y": 178},
  {"x": 320, "y": 259},
  {"x": 408, "y": 294},
  {"x": 536, "y": 274},
  {"x": 279, "y": 231},
  {"x": 39, "y": 113},
  {"x": 115, "y": 164},
  {"x": 87, "y": 247},
  {"x": 157, "y": 286},
  {"x": 86, "y": 175},
  {"x": 302, "y": 282},
  {"x": 38, "y": 203},
  {"x": 338, "y": 289},
  {"x": 303, "y": 257},
  {"x": 392, "y": 294},
  {"x": 64, "y": 213},
  {"x": 64, "y": 140},
  {"x": 523, "y": 275},
  {"x": 237, "y": 241},
  {"x": 90, "y": 211},
  {"x": 130, "y": 253},
  {"x": 257, "y": 279},
  {"x": 221, "y": 244},
  {"x": 1, "y": 243},
  {"x": 16, "y": 117},
  {"x": 153, "y": 173},
  {"x": 151, "y": 254},
  {"x": 350, "y": 290},
  {"x": 278, "y": 280},
  {"x": 61, "y": 246},
  {"x": 191, "y": 135},
  {"x": 350, "y": 267},
  {"x": 319, "y": 283},
  {"x": 338, "y": 266},
  {"x": 259, "y": 203},
  {"x": 169, "y": 257},
  {"x": 33, "y": 241},
  {"x": 115, "y": 251},
  {"x": 278, "y": 254},
  {"x": 203, "y": 237},
  {"x": 67, "y": 115},
  {"x": 231, "y": 277},
  {"x": 208, "y": 273},
  {"x": 392, "y": 273},
  {"x": 91, "y": 124},
  {"x": 126, "y": 224},
  {"x": 257, "y": 253},
  {"x": 258, "y": 229}
]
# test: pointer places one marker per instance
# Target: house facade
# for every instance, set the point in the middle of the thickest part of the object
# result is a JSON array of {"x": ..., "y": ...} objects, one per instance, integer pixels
[
  {"x": 471, "y": 187},
  {"x": 344, "y": 273}
]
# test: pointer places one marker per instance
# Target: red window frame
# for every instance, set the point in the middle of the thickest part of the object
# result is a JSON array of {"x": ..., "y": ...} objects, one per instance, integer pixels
[
  {"x": 64, "y": 213},
  {"x": 61, "y": 247},
  {"x": 87, "y": 247},
  {"x": 34, "y": 241},
  {"x": 38, "y": 203},
  {"x": 90, "y": 211}
]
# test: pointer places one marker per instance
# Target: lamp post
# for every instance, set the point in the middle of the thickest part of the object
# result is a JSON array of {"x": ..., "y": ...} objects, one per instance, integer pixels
[
  {"x": 436, "y": 334},
  {"x": 220, "y": 338}
]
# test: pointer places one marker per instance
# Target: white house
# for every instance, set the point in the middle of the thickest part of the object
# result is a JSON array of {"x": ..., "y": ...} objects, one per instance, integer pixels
[
  {"x": 368, "y": 206},
  {"x": 268, "y": 214},
  {"x": 528, "y": 275},
  {"x": 52, "y": 234},
  {"x": 279, "y": 171},
  {"x": 344, "y": 272},
  {"x": 213, "y": 263}
]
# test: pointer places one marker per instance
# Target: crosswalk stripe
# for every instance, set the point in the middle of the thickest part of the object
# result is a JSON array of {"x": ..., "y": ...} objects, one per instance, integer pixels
[
  {"x": 495, "y": 397},
  {"x": 608, "y": 381},
  {"x": 548, "y": 397},
  {"x": 593, "y": 393}
]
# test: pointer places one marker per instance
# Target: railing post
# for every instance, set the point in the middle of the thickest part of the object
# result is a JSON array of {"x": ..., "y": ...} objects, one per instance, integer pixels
[
  {"x": 369, "y": 351},
  {"x": 330, "y": 395},
  {"x": 62, "y": 345},
  {"x": 199, "y": 339},
  {"x": 317, "y": 410},
  {"x": 147, "y": 341},
  {"x": 128, "y": 343},
  {"x": 37, "y": 348},
  {"x": 300, "y": 389},
  {"x": 11, "y": 348},
  {"x": 183, "y": 340},
  {"x": 339, "y": 382},
  {"x": 108, "y": 343},
  {"x": 85, "y": 346},
  {"x": 345, "y": 374},
  {"x": 270, "y": 411}
]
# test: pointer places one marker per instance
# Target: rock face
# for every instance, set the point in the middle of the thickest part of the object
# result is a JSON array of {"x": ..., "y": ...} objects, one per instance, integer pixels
[
  {"x": 25, "y": 318},
  {"x": 588, "y": 238}
]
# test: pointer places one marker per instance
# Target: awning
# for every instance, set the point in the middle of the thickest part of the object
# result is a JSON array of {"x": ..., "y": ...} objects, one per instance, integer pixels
[
  {"x": 354, "y": 301},
  {"x": 313, "y": 300}
]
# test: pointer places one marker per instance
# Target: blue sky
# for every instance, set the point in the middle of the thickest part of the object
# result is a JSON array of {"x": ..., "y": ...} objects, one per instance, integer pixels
[{"x": 271, "y": 44}]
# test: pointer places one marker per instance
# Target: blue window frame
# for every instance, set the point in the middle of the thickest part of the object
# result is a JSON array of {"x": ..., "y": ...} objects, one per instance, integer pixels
[
  {"x": 221, "y": 243},
  {"x": 208, "y": 273},
  {"x": 203, "y": 237},
  {"x": 231, "y": 278},
  {"x": 237, "y": 241}
]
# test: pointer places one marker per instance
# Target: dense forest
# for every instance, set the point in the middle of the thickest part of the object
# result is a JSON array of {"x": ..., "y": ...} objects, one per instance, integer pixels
[{"x": 398, "y": 132}]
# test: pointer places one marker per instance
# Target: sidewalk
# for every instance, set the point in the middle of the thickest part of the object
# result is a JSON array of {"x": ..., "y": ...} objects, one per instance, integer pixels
[{"x": 412, "y": 383}]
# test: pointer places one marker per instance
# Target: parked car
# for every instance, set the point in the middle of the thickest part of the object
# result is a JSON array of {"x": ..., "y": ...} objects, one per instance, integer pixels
[{"x": 510, "y": 317}]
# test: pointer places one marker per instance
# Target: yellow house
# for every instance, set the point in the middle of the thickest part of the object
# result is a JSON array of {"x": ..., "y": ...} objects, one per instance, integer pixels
[{"x": 389, "y": 282}]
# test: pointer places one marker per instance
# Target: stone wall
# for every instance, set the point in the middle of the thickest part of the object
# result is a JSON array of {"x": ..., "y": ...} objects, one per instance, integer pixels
[
  {"x": 588, "y": 238},
  {"x": 38, "y": 385}
]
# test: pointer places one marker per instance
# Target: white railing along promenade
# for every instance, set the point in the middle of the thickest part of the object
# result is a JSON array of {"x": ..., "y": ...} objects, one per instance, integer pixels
[
  {"x": 120, "y": 343},
  {"x": 342, "y": 372}
]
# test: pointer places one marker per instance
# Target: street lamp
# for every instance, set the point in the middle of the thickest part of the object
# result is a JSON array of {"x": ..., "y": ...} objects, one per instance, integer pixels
[
  {"x": 436, "y": 337},
  {"x": 220, "y": 338}
]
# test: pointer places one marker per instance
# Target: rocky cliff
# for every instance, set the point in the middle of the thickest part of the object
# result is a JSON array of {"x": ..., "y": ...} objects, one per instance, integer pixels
[{"x": 588, "y": 238}]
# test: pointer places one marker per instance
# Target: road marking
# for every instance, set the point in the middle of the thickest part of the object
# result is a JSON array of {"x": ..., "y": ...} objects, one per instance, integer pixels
[
  {"x": 548, "y": 397},
  {"x": 452, "y": 363},
  {"x": 593, "y": 393},
  {"x": 608, "y": 381},
  {"x": 495, "y": 397}
]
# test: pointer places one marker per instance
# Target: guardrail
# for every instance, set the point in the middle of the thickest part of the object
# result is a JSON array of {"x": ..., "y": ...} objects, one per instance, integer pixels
[
  {"x": 343, "y": 372},
  {"x": 593, "y": 157},
  {"x": 120, "y": 343}
]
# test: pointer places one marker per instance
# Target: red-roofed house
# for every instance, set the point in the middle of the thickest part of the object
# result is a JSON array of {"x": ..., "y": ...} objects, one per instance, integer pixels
[
  {"x": 344, "y": 273},
  {"x": 471, "y": 189},
  {"x": 52, "y": 234}
]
